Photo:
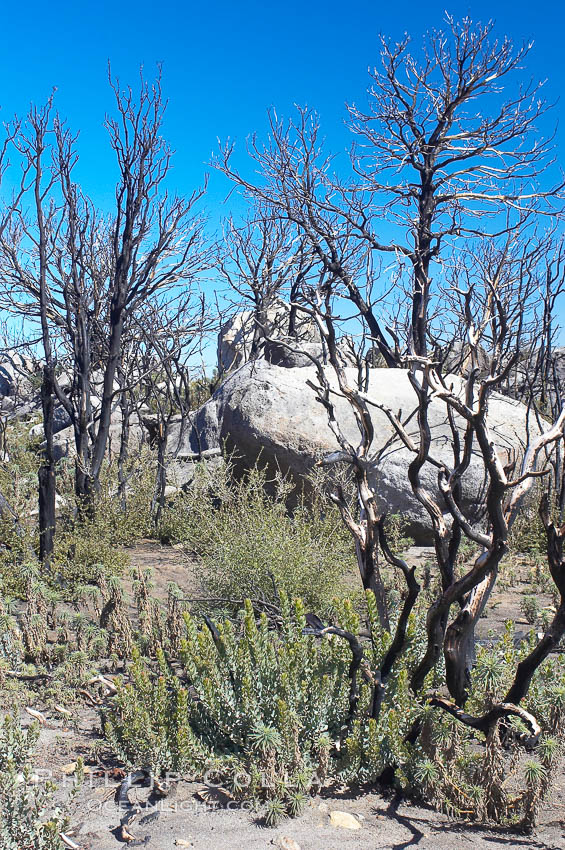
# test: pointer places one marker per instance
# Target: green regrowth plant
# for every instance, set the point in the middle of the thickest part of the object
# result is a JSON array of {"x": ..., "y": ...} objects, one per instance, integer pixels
[
  {"x": 249, "y": 543},
  {"x": 270, "y": 712},
  {"x": 530, "y": 608},
  {"x": 89, "y": 543},
  {"x": 263, "y": 710},
  {"x": 29, "y": 819}
]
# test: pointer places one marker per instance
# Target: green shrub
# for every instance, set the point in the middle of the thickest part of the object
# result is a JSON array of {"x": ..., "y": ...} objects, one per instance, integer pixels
[
  {"x": 19, "y": 466},
  {"x": 396, "y": 532},
  {"x": 134, "y": 522},
  {"x": 267, "y": 707},
  {"x": 249, "y": 543},
  {"x": 11, "y": 648},
  {"x": 82, "y": 554},
  {"x": 86, "y": 545},
  {"x": 16, "y": 547},
  {"x": 28, "y": 818},
  {"x": 530, "y": 608},
  {"x": 19, "y": 463},
  {"x": 267, "y": 712}
]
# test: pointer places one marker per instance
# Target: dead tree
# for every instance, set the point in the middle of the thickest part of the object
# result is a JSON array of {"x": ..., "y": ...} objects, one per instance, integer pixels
[
  {"x": 83, "y": 277},
  {"x": 440, "y": 163},
  {"x": 430, "y": 161},
  {"x": 37, "y": 178},
  {"x": 263, "y": 266},
  {"x": 170, "y": 337},
  {"x": 156, "y": 242},
  {"x": 297, "y": 188}
]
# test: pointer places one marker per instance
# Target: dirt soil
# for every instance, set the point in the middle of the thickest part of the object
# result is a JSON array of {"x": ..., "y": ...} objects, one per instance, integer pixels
[
  {"x": 196, "y": 817},
  {"x": 192, "y": 816}
]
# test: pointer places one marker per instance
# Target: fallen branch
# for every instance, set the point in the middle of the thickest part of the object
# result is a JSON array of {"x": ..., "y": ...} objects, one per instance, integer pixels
[{"x": 28, "y": 677}]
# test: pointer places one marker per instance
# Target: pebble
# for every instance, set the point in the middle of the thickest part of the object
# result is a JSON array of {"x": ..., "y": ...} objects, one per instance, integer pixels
[
  {"x": 283, "y": 842},
  {"x": 344, "y": 820}
]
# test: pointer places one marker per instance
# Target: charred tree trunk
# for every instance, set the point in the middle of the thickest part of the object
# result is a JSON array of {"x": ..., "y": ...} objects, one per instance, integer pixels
[
  {"x": 83, "y": 482},
  {"x": 124, "y": 453},
  {"x": 81, "y": 411},
  {"x": 371, "y": 578},
  {"x": 259, "y": 329},
  {"x": 114, "y": 354},
  {"x": 46, "y": 473},
  {"x": 556, "y": 629},
  {"x": 421, "y": 262},
  {"x": 459, "y": 644},
  {"x": 158, "y": 502}
]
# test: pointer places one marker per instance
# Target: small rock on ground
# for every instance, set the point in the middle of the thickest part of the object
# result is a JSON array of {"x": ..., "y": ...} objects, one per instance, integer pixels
[
  {"x": 284, "y": 842},
  {"x": 344, "y": 819}
]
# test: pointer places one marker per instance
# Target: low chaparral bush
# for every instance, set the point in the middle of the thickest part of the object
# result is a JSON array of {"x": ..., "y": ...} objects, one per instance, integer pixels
[
  {"x": 248, "y": 543},
  {"x": 29, "y": 819},
  {"x": 266, "y": 712}
]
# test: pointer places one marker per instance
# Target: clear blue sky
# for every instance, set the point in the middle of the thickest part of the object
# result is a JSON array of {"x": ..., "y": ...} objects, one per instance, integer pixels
[{"x": 225, "y": 63}]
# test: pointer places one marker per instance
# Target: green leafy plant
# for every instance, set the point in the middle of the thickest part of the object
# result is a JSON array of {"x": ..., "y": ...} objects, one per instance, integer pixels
[
  {"x": 269, "y": 712},
  {"x": 29, "y": 819},
  {"x": 273, "y": 713},
  {"x": 530, "y": 608},
  {"x": 267, "y": 707},
  {"x": 249, "y": 543}
]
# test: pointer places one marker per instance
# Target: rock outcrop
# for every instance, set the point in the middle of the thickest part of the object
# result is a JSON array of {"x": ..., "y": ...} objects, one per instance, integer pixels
[
  {"x": 268, "y": 412},
  {"x": 236, "y": 337},
  {"x": 16, "y": 376}
]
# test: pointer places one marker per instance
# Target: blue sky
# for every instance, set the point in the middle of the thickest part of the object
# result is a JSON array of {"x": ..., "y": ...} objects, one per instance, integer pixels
[{"x": 225, "y": 63}]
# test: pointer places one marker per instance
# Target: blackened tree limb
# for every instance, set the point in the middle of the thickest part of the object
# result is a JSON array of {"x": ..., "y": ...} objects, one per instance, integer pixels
[
  {"x": 555, "y": 631},
  {"x": 318, "y": 630},
  {"x": 413, "y": 587},
  {"x": 399, "y": 639},
  {"x": 485, "y": 722}
]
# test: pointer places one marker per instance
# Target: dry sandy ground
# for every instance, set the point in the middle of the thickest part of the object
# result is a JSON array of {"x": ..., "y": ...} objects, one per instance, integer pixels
[
  {"x": 171, "y": 564},
  {"x": 387, "y": 825},
  {"x": 185, "y": 819}
]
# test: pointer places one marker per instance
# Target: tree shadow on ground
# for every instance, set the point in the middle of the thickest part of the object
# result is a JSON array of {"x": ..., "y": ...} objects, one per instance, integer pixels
[{"x": 499, "y": 835}]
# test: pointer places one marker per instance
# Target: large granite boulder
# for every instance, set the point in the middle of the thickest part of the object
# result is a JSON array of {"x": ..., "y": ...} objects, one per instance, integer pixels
[
  {"x": 236, "y": 337},
  {"x": 16, "y": 374},
  {"x": 268, "y": 412}
]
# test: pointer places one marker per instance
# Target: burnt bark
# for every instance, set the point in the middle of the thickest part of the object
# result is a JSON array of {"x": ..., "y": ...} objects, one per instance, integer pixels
[
  {"x": 556, "y": 629},
  {"x": 46, "y": 472},
  {"x": 399, "y": 639}
]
